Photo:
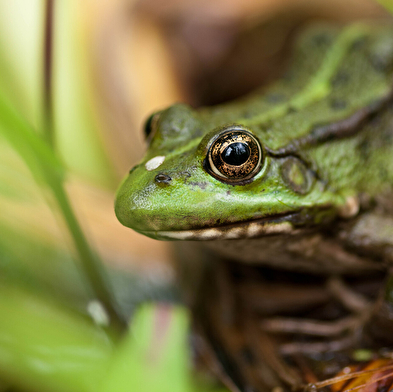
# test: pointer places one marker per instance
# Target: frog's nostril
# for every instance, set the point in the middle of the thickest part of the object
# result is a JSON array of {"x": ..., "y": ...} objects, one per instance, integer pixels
[{"x": 162, "y": 179}]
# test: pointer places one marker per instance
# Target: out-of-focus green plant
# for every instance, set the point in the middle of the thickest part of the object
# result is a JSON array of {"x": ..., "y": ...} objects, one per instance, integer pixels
[
  {"x": 45, "y": 346},
  {"x": 49, "y": 172},
  {"x": 388, "y": 4},
  {"x": 22, "y": 69}
]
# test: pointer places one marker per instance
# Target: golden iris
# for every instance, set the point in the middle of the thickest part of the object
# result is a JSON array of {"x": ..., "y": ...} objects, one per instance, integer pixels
[{"x": 235, "y": 155}]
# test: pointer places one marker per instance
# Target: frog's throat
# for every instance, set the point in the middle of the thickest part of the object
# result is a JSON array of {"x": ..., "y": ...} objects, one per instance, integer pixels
[{"x": 278, "y": 224}]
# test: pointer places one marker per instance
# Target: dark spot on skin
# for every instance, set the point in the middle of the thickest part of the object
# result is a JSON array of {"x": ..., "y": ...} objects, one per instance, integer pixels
[
  {"x": 185, "y": 175},
  {"x": 358, "y": 44},
  {"x": 380, "y": 55},
  {"x": 375, "y": 120},
  {"x": 364, "y": 149},
  {"x": 202, "y": 185},
  {"x": 162, "y": 178},
  {"x": 340, "y": 79},
  {"x": 387, "y": 138},
  {"x": 383, "y": 173},
  {"x": 275, "y": 98},
  {"x": 338, "y": 104},
  {"x": 381, "y": 64},
  {"x": 248, "y": 114},
  {"x": 321, "y": 39}
]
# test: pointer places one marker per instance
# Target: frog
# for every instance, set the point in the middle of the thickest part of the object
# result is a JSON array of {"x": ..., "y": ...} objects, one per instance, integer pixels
[{"x": 297, "y": 176}]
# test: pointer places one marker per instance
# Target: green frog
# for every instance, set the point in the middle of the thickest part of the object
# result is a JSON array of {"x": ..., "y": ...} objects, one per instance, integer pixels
[{"x": 297, "y": 176}]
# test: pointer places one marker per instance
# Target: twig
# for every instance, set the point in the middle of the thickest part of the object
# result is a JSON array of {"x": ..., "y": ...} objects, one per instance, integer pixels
[
  {"x": 310, "y": 327},
  {"x": 353, "y": 301},
  {"x": 318, "y": 347},
  {"x": 345, "y": 377}
]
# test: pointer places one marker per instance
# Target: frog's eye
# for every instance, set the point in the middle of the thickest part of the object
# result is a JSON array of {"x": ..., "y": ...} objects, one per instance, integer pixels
[
  {"x": 151, "y": 126},
  {"x": 235, "y": 155}
]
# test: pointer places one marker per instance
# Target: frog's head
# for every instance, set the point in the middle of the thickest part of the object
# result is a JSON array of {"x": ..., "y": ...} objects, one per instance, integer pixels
[{"x": 198, "y": 183}]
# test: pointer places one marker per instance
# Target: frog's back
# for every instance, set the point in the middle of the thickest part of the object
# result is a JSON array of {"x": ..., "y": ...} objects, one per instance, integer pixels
[
  {"x": 335, "y": 73},
  {"x": 339, "y": 78}
]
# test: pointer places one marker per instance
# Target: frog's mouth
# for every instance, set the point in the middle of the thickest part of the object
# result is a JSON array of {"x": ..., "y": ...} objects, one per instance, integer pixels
[{"x": 277, "y": 224}]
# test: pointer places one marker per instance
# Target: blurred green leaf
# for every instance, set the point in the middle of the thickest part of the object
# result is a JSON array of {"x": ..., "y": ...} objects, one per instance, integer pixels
[
  {"x": 47, "y": 170},
  {"x": 21, "y": 30},
  {"x": 43, "y": 163},
  {"x": 388, "y": 4},
  {"x": 76, "y": 127},
  {"x": 41, "y": 267},
  {"x": 154, "y": 355},
  {"x": 75, "y": 114},
  {"x": 45, "y": 347}
]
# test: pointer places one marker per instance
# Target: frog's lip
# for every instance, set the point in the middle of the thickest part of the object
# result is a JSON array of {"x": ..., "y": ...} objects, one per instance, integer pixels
[{"x": 276, "y": 224}]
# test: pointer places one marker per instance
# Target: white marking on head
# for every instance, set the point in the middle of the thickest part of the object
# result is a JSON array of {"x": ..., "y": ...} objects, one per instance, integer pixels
[{"x": 154, "y": 163}]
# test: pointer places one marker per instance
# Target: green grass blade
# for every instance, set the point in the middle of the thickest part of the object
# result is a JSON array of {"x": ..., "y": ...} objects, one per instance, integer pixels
[
  {"x": 48, "y": 170},
  {"x": 43, "y": 163}
]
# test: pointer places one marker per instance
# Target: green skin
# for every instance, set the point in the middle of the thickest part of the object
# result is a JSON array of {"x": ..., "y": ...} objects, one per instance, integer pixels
[
  {"x": 333, "y": 77},
  {"x": 327, "y": 140}
]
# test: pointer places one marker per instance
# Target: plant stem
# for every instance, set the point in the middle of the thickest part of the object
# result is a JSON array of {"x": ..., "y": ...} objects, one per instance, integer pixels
[
  {"x": 91, "y": 265},
  {"x": 48, "y": 72},
  {"x": 48, "y": 170}
]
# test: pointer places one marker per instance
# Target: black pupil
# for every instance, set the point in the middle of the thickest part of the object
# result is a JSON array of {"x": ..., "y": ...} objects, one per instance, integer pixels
[{"x": 236, "y": 154}]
